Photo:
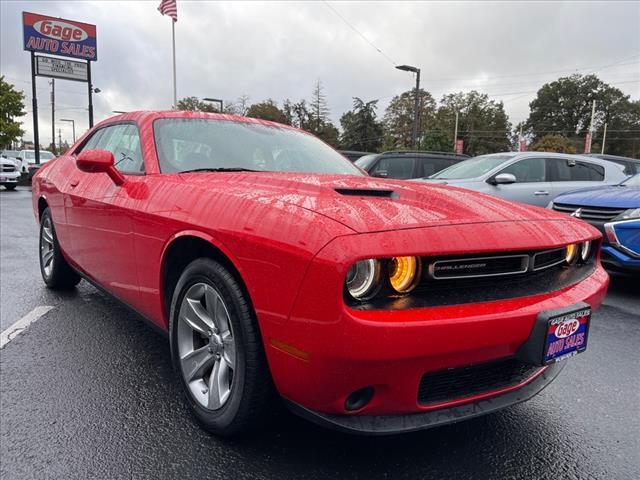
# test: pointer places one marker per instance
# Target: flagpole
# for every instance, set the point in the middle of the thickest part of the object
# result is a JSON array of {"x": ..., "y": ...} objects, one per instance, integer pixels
[{"x": 173, "y": 39}]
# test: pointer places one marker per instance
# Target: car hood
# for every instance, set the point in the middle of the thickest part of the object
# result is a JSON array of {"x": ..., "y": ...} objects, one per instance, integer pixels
[
  {"x": 367, "y": 204},
  {"x": 612, "y": 196}
]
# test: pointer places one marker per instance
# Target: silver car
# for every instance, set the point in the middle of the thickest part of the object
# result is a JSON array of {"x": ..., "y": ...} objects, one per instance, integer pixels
[{"x": 535, "y": 178}]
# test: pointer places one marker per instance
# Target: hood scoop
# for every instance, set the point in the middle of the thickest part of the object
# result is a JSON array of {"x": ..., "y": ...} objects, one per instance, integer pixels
[{"x": 366, "y": 192}]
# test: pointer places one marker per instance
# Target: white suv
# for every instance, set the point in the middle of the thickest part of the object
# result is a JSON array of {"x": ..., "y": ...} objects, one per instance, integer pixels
[{"x": 9, "y": 174}]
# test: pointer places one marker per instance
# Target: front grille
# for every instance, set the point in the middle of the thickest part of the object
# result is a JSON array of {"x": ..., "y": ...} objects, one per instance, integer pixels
[
  {"x": 549, "y": 258},
  {"x": 8, "y": 168},
  {"x": 476, "y": 267},
  {"x": 602, "y": 214},
  {"x": 463, "y": 382}
]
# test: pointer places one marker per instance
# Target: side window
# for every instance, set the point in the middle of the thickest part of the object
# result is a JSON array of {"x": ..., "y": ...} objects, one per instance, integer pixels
[
  {"x": 528, "y": 170},
  {"x": 93, "y": 141},
  {"x": 396, "y": 167},
  {"x": 563, "y": 170},
  {"x": 124, "y": 142},
  {"x": 429, "y": 166}
]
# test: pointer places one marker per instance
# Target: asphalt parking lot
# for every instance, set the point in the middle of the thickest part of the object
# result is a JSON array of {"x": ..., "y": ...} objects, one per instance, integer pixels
[{"x": 87, "y": 392}]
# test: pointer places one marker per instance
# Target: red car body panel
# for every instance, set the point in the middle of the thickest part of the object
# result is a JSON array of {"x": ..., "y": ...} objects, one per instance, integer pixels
[{"x": 292, "y": 237}]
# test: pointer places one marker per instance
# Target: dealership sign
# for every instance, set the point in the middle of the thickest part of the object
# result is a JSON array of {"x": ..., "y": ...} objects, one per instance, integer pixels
[
  {"x": 60, "y": 68},
  {"x": 57, "y": 36}
]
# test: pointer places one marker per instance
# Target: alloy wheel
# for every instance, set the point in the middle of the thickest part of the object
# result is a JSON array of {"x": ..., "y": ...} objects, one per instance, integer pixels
[
  {"x": 206, "y": 346},
  {"x": 46, "y": 246}
]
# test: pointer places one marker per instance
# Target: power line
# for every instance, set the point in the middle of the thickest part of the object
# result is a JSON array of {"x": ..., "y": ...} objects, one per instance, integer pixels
[{"x": 359, "y": 33}]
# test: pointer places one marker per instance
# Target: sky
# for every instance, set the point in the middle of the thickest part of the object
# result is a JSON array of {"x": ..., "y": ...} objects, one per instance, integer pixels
[{"x": 280, "y": 50}]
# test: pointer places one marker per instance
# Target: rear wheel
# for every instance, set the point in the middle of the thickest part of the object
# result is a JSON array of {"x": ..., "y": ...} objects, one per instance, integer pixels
[
  {"x": 56, "y": 272},
  {"x": 217, "y": 352}
]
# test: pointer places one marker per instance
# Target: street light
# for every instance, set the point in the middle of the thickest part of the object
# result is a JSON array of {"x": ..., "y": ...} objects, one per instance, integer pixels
[
  {"x": 416, "y": 107},
  {"x": 214, "y": 100},
  {"x": 73, "y": 125}
]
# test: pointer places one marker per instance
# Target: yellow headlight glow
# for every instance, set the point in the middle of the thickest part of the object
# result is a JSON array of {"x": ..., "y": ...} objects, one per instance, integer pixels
[
  {"x": 570, "y": 255},
  {"x": 403, "y": 273}
]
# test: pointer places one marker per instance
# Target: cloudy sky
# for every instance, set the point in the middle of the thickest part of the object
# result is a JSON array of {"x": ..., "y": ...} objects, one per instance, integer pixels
[{"x": 280, "y": 49}]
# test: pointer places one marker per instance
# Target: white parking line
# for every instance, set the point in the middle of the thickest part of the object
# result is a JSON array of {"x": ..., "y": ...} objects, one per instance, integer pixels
[{"x": 21, "y": 325}]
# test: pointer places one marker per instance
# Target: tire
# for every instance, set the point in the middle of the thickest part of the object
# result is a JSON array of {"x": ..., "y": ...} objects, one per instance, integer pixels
[
  {"x": 241, "y": 395},
  {"x": 56, "y": 272},
  {"x": 10, "y": 187}
]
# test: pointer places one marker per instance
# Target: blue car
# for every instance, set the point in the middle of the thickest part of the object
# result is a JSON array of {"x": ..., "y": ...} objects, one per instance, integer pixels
[{"x": 615, "y": 211}]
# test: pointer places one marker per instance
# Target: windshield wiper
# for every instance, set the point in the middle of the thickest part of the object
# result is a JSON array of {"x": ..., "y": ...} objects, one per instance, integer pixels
[{"x": 221, "y": 169}]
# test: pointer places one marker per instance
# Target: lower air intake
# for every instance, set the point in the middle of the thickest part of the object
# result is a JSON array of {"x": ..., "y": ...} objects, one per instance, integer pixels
[{"x": 459, "y": 383}]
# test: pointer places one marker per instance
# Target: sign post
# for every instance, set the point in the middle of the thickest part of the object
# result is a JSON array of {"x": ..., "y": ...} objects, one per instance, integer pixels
[{"x": 66, "y": 38}]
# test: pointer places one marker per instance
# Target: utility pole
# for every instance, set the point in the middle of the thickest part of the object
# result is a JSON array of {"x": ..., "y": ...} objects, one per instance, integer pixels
[
  {"x": 53, "y": 113},
  {"x": 604, "y": 139},
  {"x": 589, "y": 138},
  {"x": 455, "y": 133},
  {"x": 416, "y": 106},
  {"x": 59, "y": 140}
]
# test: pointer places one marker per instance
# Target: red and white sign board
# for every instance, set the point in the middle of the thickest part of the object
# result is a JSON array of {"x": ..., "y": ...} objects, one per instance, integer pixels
[
  {"x": 587, "y": 143},
  {"x": 522, "y": 145},
  {"x": 57, "y": 36}
]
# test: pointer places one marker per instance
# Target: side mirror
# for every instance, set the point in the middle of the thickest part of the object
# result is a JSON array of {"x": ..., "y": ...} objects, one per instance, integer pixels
[
  {"x": 504, "y": 179},
  {"x": 99, "y": 161},
  {"x": 381, "y": 174}
]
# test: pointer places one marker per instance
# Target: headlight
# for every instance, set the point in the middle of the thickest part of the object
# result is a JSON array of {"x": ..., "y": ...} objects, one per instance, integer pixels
[
  {"x": 363, "y": 279},
  {"x": 629, "y": 214},
  {"x": 585, "y": 251},
  {"x": 404, "y": 273},
  {"x": 571, "y": 253}
]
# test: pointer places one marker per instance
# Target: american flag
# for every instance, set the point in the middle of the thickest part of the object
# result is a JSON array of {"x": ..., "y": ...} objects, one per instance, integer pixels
[{"x": 169, "y": 8}]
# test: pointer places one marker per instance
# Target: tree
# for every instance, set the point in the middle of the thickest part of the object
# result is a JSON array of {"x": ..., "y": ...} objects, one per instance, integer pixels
[
  {"x": 438, "y": 140},
  {"x": 553, "y": 143},
  {"x": 11, "y": 106},
  {"x": 239, "y": 107},
  {"x": 360, "y": 128},
  {"x": 267, "y": 110},
  {"x": 319, "y": 110},
  {"x": 398, "y": 117},
  {"x": 482, "y": 123},
  {"x": 195, "y": 104}
]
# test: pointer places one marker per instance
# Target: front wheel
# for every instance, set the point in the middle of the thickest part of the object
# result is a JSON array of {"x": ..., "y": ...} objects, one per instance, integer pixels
[
  {"x": 217, "y": 352},
  {"x": 56, "y": 272},
  {"x": 10, "y": 186}
]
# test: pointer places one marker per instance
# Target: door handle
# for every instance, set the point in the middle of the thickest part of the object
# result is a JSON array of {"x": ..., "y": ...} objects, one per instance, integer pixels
[{"x": 541, "y": 192}]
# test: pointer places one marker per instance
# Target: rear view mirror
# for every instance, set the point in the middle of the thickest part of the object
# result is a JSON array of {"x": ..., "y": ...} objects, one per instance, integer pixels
[
  {"x": 99, "y": 161},
  {"x": 504, "y": 179}
]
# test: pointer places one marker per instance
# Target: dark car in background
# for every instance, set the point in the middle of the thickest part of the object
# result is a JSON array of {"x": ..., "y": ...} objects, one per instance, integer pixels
[
  {"x": 407, "y": 164},
  {"x": 631, "y": 165},
  {"x": 353, "y": 155}
]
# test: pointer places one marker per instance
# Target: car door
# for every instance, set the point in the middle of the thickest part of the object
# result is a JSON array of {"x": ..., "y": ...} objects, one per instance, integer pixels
[
  {"x": 531, "y": 185},
  {"x": 98, "y": 214},
  {"x": 568, "y": 174}
]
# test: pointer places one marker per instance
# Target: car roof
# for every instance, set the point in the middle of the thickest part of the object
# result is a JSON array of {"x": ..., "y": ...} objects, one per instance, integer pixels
[
  {"x": 613, "y": 158},
  {"x": 151, "y": 115},
  {"x": 422, "y": 154}
]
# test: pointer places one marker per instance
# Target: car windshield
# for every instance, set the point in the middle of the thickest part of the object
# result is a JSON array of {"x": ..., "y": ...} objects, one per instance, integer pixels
[
  {"x": 632, "y": 181},
  {"x": 10, "y": 153},
  {"x": 471, "y": 168},
  {"x": 46, "y": 156},
  {"x": 366, "y": 161},
  {"x": 185, "y": 144}
]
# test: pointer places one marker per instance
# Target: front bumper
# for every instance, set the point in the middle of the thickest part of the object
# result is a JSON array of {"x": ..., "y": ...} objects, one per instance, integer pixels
[
  {"x": 10, "y": 178},
  {"x": 618, "y": 261},
  {"x": 391, "y": 424}
]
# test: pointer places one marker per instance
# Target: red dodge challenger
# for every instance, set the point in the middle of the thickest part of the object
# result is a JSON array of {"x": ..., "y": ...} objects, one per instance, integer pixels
[{"x": 278, "y": 269}]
